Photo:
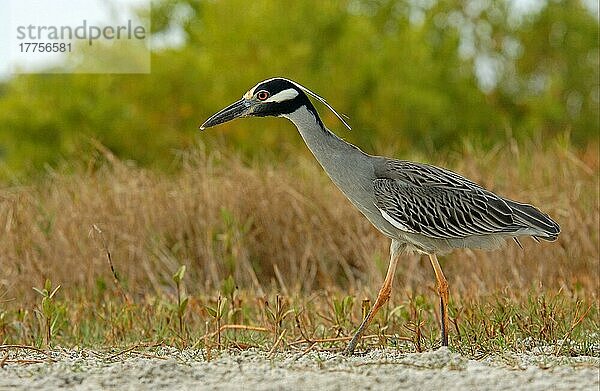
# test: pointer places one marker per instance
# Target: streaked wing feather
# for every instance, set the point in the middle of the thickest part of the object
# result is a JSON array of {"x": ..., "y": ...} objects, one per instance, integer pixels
[{"x": 439, "y": 203}]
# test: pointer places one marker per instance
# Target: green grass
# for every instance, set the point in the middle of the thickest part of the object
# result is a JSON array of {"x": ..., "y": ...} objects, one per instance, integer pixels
[{"x": 233, "y": 319}]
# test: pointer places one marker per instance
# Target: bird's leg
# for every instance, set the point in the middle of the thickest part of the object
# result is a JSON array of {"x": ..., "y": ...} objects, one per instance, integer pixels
[
  {"x": 382, "y": 298},
  {"x": 443, "y": 292}
]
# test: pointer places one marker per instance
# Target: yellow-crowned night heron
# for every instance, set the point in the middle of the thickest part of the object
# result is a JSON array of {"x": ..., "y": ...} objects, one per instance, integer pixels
[{"x": 420, "y": 207}]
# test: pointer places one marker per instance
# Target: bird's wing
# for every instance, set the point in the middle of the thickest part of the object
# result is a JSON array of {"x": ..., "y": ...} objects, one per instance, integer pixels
[{"x": 438, "y": 203}]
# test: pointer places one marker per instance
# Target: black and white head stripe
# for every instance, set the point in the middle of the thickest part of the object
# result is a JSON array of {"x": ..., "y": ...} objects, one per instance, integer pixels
[
  {"x": 280, "y": 91},
  {"x": 284, "y": 95}
]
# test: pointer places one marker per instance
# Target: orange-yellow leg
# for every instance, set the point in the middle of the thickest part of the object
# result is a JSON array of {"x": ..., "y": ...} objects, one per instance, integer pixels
[
  {"x": 443, "y": 292},
  {"x": 382, "y": 298}
]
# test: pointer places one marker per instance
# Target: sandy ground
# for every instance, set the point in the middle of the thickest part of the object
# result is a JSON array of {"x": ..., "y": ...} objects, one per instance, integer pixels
[{"x": 169, "y": 368}]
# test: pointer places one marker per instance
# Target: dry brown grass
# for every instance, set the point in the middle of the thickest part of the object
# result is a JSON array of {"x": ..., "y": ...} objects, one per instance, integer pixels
[
  {"x": 283, "y": 229},
  {"x": 282, "y": 226}
]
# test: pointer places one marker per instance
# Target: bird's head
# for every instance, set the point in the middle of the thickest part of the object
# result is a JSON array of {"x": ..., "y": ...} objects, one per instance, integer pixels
[{"x": 273, "y": 97}]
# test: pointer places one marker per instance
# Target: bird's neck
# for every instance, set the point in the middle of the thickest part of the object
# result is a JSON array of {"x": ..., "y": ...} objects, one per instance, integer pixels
[
  {"x": 321, "y": 141},
  {"x": 334, "y": 154}
]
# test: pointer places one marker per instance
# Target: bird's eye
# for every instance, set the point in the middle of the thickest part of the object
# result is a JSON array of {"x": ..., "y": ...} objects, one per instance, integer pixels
[{"x": 262, "y": 95}]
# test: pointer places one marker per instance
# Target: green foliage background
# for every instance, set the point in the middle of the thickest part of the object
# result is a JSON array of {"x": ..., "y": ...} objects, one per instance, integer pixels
[{"x": 410, "y": 74}]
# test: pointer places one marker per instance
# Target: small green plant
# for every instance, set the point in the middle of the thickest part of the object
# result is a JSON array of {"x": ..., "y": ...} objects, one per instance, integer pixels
[
  {"x": 218, "y": 312},
  {"x": 51, "y": 312},
  {"x": 278, "y": 314},
  {"x": 229, "y": 289},
  {"x": 182, "y": 298},
  {"x": 343, "y": 311}
]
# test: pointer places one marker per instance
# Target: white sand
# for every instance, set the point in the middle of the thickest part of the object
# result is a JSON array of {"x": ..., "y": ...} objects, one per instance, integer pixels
[{"x": 169, "y": 368}]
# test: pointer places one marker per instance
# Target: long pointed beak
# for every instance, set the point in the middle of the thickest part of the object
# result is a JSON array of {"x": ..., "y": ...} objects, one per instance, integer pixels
[{"x": 235, "y": 110}]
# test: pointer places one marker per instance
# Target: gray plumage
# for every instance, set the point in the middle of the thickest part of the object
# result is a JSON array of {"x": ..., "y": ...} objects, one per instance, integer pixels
[
  {"x": 419, "y": 207},
  {"x": 427, "y": 208},
  {"x": 440, "y": 204},
  {"x": 430, "y": 209}
]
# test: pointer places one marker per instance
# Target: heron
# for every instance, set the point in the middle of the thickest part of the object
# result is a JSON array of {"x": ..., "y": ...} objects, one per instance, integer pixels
[{"x": 420, "y": 207}]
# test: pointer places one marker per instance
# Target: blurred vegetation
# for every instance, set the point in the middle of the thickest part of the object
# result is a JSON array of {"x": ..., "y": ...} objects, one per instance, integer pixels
[
  {"x": 279, "y": 224},
  {"x": 422, "y": 75}
]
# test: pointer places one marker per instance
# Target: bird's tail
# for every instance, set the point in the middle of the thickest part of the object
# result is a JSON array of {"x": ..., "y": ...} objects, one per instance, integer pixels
[{"x": 537, "y": 223}]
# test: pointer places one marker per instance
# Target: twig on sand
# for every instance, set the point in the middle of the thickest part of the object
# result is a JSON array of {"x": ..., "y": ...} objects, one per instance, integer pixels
[
  {"x": 147, "y": 355},
  {"x": 340, "y": 339},
  {"x": 122, "y": 352},
  {"x": 3, "y": 362},
  {"x": 305, "y": 351},
  {"x": 27, "y": 347},
  {"x": 134, "y": 347},
  {"x": 272, "y": 351}
]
